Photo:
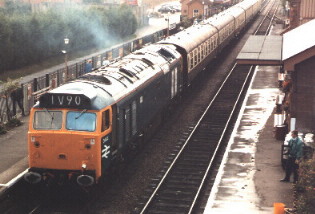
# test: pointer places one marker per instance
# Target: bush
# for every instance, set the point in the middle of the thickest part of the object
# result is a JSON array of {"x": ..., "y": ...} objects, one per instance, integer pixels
[
  {"x": 14, "y": 122},
  {"x": 2, "y": 129},
  {"x": 305, "y": 188}
]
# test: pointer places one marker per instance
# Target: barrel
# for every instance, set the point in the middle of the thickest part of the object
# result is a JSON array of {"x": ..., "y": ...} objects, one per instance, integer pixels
[{"x": 280, "y": 132}]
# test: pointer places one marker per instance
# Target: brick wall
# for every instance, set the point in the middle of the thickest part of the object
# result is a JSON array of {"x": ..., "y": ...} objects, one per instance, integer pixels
[{"x": 303, "y": 95}]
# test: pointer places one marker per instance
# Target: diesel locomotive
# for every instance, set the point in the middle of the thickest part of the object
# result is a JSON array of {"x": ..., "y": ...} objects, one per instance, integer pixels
[{"x": 76, "y": 131}]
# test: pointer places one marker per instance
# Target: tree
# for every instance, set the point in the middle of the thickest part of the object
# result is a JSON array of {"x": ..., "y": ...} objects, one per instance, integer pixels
[
  {"x": 29, "y": 38},
  {"x": 6, "y": 54}
]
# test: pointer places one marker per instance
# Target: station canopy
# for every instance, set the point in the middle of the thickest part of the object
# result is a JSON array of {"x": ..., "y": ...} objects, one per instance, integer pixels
[{"x": 261, "y": 50}]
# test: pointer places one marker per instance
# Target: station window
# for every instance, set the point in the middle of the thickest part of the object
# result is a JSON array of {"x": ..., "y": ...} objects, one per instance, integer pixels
[
  {"x": 105, "y": 120},
  {"x": 196, "y": 13}
]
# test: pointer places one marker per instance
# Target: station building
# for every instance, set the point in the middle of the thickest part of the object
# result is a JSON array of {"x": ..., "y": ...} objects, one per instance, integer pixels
[
  {"x": 195, "y": 8},
  {"x": 294, "y": 53}
]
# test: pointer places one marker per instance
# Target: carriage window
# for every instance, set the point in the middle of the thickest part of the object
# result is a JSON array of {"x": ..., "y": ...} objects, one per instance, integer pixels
[
  {"x": 211, "y": 44},
  {"x": 81, "y": 121},
  {"x": 191, "y": 60},
  {"x": 47, "y": 120},
  {"x": 105, "y": 120},
  {"x": 202, "y": 52},
  {"x": 195, "y": 57},
  {"x": 207, "y": 47}
]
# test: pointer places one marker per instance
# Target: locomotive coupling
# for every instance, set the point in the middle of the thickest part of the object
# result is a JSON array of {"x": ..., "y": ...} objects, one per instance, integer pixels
[
  {"x": 85, "y": 180},
  {"x": 32, "y": 177}
]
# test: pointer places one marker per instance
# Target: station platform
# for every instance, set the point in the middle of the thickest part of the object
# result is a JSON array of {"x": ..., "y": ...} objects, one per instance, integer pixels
[
  {"x": 13, "y": 155},
  {"x": 249, "y": 176}
]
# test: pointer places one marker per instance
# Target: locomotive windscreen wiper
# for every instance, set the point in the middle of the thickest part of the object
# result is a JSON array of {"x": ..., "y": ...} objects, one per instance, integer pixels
[
  {"x": 82, "y": 112},
  {"x": 51, "y": 115}
]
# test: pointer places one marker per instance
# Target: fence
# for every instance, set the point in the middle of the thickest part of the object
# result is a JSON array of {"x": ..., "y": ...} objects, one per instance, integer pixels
[{"x": 38, "y": 86}]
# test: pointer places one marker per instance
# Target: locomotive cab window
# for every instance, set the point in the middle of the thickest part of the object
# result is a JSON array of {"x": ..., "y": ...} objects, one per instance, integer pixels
[
  {"x": 105, "y": 120},
  {"x": 47, "y": 120},
  {"x": 81, "y": 121}
]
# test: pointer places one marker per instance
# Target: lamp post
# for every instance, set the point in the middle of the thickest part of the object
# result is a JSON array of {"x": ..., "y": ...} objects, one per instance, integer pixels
[
  {"x": 168, "y": 24},
  {"x": 66, "y": 40},
  {"x": 204, "y": 12}
]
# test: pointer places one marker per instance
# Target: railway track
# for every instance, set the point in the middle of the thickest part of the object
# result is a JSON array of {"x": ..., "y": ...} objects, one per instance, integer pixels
[
  {"x": 178, "y": 190},
  {"x": 266, "y": 23},
  {"x": 179, "y": 185}
]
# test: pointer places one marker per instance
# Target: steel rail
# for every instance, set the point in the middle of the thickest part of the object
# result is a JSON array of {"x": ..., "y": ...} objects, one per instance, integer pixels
[
  {"x": 265, "y": 17},
  {"x": 188, "y": 140},
  {"x": 272, "y": 18},
  {"x": 221, "y": 138}
]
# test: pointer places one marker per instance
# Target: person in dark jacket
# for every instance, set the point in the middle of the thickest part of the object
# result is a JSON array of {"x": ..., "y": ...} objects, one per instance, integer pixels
[
  {"x": 295, "y": 155},
  {"x": 88, "y": 66},
  {"x": 17, "y": 98}
]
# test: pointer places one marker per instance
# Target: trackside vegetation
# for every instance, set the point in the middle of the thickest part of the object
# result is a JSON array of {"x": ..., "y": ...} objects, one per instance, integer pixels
[
  {"x": 305, "y": 188},
  {"x": 28, "y": 37}
]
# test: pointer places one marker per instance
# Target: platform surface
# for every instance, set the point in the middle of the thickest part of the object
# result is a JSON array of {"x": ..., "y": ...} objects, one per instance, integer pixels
[
  {"x": 249, "y": 176},
  {"x": 13, "y": 154}
]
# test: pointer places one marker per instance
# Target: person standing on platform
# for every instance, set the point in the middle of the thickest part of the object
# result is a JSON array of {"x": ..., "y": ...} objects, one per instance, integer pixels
[
  {"x": 88, "y": 66},
  {"x": 17, "y": 98},
  {"x": 295, "y": 155}
]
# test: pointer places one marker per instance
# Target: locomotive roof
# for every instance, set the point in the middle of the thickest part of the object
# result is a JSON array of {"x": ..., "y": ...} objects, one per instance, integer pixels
[
  {"x": 111, "y": 83},
  {"x": 188, "y": 39},
  {"x": 246, "y": 4},
  {"x": 220, "y": 20},
  {"x": 235, "y": 11}
]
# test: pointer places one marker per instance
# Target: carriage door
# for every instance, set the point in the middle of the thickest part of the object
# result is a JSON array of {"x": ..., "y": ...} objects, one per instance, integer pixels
[
  {"x": 174, "y": 88},
  {"x": 134, "y": 117},
  {"x": 127, "y": 121}
]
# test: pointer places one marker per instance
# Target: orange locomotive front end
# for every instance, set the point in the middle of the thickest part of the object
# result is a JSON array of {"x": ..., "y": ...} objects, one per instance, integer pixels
[{"x": 68, "y": 144}]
